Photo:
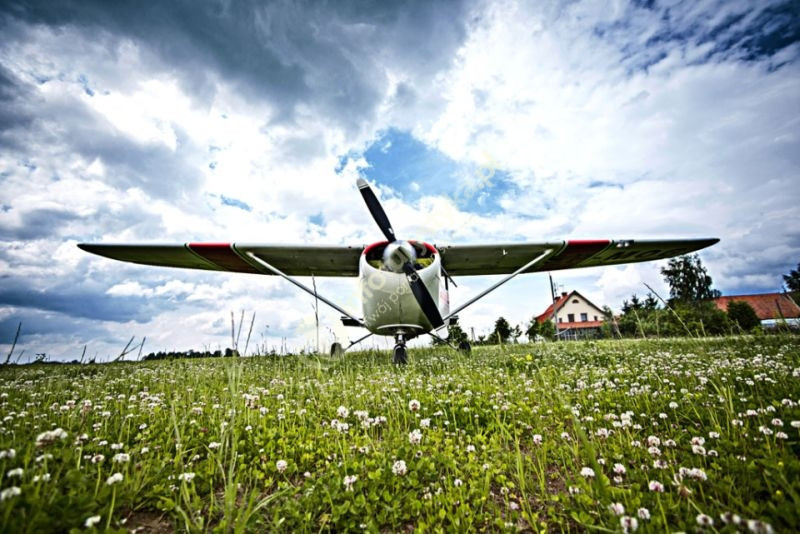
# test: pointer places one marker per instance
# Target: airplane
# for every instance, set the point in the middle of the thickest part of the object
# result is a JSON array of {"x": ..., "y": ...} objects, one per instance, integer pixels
[{"x": 404, "y": 284}]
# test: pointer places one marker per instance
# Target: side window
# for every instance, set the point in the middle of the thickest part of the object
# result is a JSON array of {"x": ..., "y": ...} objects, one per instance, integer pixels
[
  {"x": 571, "y": 317},
  {"x": 584, "y": 317}
]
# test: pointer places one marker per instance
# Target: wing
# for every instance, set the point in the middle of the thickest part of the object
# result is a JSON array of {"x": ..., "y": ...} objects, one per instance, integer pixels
[
  {"x": 294, "y": 260},
  {"x": 466, "y": 260}
]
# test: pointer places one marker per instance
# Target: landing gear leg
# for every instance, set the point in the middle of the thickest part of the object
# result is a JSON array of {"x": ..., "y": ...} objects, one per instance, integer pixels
[{"x": 399, "y": 356}]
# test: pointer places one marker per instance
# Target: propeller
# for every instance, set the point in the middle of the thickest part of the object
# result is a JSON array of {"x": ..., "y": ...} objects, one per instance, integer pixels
[{"x": 399, "y": 256}]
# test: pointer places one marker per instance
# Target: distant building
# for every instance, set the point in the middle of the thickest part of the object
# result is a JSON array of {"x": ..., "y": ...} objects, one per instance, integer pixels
[
  {"x": 577, "y": 317},
  {"x": 769, "y": 307}
]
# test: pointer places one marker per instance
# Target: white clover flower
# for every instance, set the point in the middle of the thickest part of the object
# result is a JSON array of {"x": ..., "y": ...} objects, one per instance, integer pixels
[
  {"x": 730, "y": 518},
  {"x": 574, "y": 490},
  {"x": 91, "y": 521},
  {"x": 44, "y": 478},
  {"x": 116, "y": 446},
  {"x": 458, "y": 482},
  {"x": 704, "y": 520},
  {"x": 795, "y": 424},
  {"x": 46, "y": 438},
  {"x": 121, "y": 458},
  {"x": 349, "y": 481},
  {"x": 754, "y": 525},
  {"x": 425, "y": 423},
  {"x": 781, "y": 435},
  {"x": 654, "y": 451},
  {"x": 587, "y": 472},
  {"x": 616, "y": 508},
  {"x": 399, "y": 468},
  {"x": 7, "y": 493},
  {"x": 415, "y": 436},
  {"x": 10, "y": 453},
  {"x": 656, "y": 486},
  {"x": 653, "y": 441},
  {"x": 113, "y": 479},
  {"x": 214, "y": 445},
  {"x": 777, "y": 422},
  {"x": 414, "y": 405},
  {"x": 188, "y": 477},
  {"x": 281, "y": 466},
  {"x": 15, "y": 473},
  {"x": 713, "y": 435},
  {"x": 619, "y": 469},
  {"x": 537, "y": 439},
  {"x": 628, "y": 523},
  {"x": 145, "y": 450},
  {"x": 470, "y": 448},
  {"x": 698, "y": 449},
  {"x": 98, "y": 459},
  {"x": 342, "y": 412},
  {"x": 673, "y": 405},
  {"x": 643, "y": 513}
]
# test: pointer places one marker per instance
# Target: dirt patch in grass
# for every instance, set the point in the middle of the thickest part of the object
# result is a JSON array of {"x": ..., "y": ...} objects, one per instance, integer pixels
[{"x": 148, "y": 522}]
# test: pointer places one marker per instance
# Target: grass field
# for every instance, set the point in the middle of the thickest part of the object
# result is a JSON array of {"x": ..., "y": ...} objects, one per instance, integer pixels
[{"x": 655, "y": 435}]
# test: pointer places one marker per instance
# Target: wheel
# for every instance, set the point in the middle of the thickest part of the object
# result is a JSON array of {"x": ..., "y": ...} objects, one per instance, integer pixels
[
  {"x": 400, "y": 357},
  {"x": 336, "y": 349},
  {"x": 465, "y": 347}
]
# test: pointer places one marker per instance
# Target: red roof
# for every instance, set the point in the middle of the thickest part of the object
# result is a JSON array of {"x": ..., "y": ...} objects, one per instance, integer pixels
[
  {"x": 766, "y": 305},
  {"x": 548, "y": 313},
  {"x": 560, "y": 301}
]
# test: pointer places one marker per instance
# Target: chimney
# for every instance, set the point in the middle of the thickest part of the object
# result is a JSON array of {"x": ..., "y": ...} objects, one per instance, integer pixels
[{"x": 563, "y": 294}]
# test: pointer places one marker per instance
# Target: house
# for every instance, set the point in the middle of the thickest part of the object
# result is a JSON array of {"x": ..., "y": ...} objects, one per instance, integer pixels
[
  {"x": 769, "y": 307},
  {"x": 577, "y": 317}
]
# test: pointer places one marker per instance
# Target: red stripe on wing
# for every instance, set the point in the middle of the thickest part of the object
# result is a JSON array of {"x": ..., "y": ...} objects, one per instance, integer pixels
[{"x": 222, "y": 255}]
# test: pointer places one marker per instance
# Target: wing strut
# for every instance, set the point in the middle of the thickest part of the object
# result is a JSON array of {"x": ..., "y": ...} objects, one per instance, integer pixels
[
  {"x": 538, "y": 259},
  {"x": 304, "y": 288}
]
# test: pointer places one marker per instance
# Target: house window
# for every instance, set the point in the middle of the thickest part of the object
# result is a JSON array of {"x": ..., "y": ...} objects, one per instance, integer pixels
[
  {"x": 560, "y": 319},
  {"x": 571, "y": 317},
  {"x": 584, "y": 317},
  {"x": 595, "y": 317},
  {"x": 575, "y": 301}
]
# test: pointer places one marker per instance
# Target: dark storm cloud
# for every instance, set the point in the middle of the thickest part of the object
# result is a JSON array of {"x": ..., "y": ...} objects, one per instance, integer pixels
[
  {"x": 82, "y": 300},
  {"x": 328, "y": 56},
  {"x": 727, "y": 31}
]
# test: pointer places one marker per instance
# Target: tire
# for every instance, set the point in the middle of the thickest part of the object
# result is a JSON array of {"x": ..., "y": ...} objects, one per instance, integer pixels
[
  {"x": 400, "y": 357},
  {"x": 336, "y": 349},
  {"x": 465, "y": 347}
]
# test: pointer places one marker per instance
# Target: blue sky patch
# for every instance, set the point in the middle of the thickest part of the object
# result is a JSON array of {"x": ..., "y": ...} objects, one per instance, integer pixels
[
  {"x": 236, "y": 203},
  {"x": 398, "y": 160}
]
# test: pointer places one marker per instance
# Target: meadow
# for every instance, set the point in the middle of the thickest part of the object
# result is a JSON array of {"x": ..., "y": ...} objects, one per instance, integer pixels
[{"x": 649, "y": 435}]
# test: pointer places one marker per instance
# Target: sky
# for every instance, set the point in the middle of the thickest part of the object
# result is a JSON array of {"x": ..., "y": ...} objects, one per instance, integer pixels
[{"x": 251, "y": 121}]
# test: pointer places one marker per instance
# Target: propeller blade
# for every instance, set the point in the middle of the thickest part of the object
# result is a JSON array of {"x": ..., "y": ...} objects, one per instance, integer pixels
[
  {"x": 376, "y": 209},
  {"x": 422, "y": 295}
]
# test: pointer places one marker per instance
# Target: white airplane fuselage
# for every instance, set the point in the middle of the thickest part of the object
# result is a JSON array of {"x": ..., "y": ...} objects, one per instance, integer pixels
[{"x": 388, "y": 305}]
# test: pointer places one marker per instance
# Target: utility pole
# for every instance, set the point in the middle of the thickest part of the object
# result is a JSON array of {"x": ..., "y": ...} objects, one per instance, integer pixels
[{"x": 555, "y": 308}]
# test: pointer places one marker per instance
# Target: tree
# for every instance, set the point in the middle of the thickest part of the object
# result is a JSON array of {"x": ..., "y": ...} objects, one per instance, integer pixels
[
  {"x": 689, "y": 282},
  {"x": 792, "y": 280},
  {"x": 743, "y": 314},
  {"x": 516, "y": 332},
  {"x": 455, "y": 335},
  {"x": 502, "y": 331}
]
